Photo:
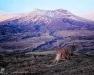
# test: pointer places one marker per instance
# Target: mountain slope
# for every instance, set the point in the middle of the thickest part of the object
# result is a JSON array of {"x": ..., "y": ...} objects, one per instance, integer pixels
[{"x": 41, "y": 30}]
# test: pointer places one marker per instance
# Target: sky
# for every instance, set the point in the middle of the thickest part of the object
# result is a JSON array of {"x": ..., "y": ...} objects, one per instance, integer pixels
[{"x": 74, "y": 6}]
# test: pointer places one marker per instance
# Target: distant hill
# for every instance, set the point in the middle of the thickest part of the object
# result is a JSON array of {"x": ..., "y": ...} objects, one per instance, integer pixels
[
  {"x": 88, "y": 15},
  {"x": 5, "y": 16},
  {"x": 41, "y": 30}
]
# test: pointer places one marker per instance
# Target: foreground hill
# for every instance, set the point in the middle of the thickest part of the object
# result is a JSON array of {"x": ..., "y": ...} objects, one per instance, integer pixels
[
  {"x": 41, "y": 30},
  {"x": 38, "y": 63}
]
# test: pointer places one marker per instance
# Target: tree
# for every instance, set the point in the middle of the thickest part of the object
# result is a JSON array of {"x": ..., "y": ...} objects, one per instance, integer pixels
[{"x": 72, "y": 49}]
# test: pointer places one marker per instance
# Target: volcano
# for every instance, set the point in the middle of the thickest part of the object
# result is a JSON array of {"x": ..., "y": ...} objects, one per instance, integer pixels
[{"x": 42, "y": 30}]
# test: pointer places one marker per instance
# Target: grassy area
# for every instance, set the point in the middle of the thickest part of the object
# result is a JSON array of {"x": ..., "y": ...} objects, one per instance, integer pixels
[
  {"x": 38, "y": 64},
  {"x": 41, "y": 53}
]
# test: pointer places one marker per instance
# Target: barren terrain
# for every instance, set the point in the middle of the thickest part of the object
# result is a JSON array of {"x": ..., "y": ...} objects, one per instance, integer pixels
[{"x": 39, "y": 63}]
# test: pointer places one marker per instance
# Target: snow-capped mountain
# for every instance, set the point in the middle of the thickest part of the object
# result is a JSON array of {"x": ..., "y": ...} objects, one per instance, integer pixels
[
  {"x": 40, "y": 30},
  {"x": 56, "y": 14}
]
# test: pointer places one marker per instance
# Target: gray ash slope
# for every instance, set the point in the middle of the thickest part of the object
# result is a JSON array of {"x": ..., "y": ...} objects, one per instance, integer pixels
[{"x": 41, "y": 30}]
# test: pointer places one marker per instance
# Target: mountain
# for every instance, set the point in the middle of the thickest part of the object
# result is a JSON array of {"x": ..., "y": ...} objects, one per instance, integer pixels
[
  {"x": 87, "y": 15},
  {"x": 41, "y": 30}
]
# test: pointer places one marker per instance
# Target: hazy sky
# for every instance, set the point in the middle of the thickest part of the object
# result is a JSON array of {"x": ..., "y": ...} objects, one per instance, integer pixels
[{"x": 74, "y": 6}]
